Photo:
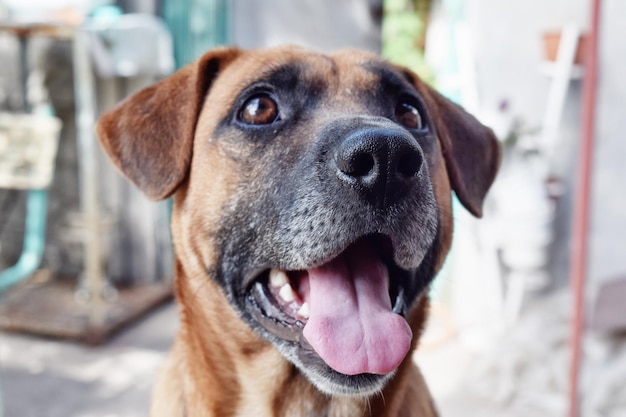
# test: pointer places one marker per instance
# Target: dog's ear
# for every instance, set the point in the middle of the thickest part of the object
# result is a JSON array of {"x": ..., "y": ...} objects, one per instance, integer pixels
[
  {"x": 149, "y": 136},
  {"x": 470, "y": 149}
]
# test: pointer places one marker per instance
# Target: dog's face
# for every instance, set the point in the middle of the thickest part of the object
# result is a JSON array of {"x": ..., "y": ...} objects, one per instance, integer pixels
[{"x": 314, "y": 190}]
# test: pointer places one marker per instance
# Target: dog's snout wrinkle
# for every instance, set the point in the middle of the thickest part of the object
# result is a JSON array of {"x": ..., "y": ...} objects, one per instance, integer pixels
[{"x": 382, "y": 164}]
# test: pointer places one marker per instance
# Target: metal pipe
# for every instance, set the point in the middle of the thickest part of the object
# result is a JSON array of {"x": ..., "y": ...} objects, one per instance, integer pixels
[
  {"x": 85, "y": 120},
  {"x": 36, "y": 204},
  {"x": 580, "y": 221},
  {"x": 34, "y": 238},
  {"x": 23, "y": 41}
]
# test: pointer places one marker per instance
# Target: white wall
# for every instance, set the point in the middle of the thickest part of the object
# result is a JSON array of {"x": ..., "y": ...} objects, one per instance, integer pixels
[
  {"x": 320, "y": 24},
  {"x": 507, "y": 38},
  {"x": 608, "y": 225}
]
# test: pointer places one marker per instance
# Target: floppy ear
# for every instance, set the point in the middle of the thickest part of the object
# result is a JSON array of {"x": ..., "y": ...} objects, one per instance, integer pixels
[
  {"x": 149, "y": 136},
  {"x": 470, "y": 149}
]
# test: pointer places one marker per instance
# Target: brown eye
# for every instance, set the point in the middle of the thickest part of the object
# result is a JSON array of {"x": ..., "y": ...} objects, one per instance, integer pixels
[
  {"x": 408, "y": 116},
  {"x": 259, "y": 110}
]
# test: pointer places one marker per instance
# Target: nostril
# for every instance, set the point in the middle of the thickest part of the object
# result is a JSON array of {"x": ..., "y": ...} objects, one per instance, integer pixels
[
  {"x": 355, "y": 164},
  {"x": 362, "y": 165},
  {"x": 409, "y": 164}
]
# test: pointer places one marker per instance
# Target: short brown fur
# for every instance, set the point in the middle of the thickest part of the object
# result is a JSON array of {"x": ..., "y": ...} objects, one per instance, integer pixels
[{"x": 163, "y": 140}]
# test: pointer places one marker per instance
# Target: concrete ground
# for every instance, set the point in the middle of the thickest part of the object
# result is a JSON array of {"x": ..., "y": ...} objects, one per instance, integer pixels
[{"x": 51, "y": 378}]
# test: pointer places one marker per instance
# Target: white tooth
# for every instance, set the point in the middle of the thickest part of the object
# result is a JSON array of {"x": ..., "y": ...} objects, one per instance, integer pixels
[
  {"x": 304, "y": 310},
  {"x": 278, "y": 278},
  {"x": 286, "y": 293},
  {"x": 399, "y": 305}
]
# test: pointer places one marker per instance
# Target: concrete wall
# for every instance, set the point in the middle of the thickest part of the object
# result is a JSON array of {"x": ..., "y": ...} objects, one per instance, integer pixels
[
  {"x": 507, "y": 39},
  {"x": 508, "y": 50},
  {"x": 320, "y": 24},
  {"x": 608, "y": 225}
]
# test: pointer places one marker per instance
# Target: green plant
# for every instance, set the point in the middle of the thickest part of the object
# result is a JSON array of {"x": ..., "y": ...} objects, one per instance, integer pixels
[{"x": 404, "y": 28}]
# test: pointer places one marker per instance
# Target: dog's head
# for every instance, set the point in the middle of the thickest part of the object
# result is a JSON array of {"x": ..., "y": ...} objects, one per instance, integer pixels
[{"x": 314, "y": 190}]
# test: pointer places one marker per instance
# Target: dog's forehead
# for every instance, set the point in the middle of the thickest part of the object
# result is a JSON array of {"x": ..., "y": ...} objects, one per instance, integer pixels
[{"x": 346, "y": 69}]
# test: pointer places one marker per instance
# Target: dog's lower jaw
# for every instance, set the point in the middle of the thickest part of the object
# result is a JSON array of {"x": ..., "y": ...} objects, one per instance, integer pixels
[{"x": 223, "y": 368}]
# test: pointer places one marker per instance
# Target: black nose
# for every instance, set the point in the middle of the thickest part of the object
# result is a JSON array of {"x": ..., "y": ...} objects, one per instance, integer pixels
[{"x": 381, "y": 163}]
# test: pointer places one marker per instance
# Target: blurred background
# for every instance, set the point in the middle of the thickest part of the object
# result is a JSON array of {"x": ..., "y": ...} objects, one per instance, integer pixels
[{"x": 528, "y": 293}]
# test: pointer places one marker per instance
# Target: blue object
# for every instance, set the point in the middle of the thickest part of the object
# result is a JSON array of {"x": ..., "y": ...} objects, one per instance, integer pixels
[
  {"x": 106, "y": 14},
  {"x": 34, "y": 238},
  {"x": 196, "y": 27}
]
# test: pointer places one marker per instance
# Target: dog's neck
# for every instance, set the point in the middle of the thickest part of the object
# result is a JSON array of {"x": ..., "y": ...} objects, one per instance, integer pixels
[{"x": 218, "y": 374}]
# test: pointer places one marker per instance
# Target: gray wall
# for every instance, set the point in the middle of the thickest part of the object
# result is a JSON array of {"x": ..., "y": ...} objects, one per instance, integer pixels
[
  {"x": 608, "y": 226},
  {"x": 508, "y": 50},
  {"x": 320, "y": 24},
  {"x": 507, "y": 41}
]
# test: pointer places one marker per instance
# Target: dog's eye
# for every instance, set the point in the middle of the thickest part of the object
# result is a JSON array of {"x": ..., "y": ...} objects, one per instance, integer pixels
[
  {"x": 260, "y": 109},
  {"x": 408, "y": 116}
]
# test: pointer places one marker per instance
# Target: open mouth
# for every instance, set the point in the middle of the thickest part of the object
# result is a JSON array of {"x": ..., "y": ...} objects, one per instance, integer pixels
[{"x": 349, "y": 311}]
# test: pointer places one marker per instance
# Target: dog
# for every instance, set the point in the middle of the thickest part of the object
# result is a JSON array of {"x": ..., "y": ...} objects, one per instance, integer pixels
[{"x": 311, "y": 211}]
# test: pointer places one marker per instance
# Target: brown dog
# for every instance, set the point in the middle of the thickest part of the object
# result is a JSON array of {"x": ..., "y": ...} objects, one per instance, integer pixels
[{"x": 312, "y": 208}]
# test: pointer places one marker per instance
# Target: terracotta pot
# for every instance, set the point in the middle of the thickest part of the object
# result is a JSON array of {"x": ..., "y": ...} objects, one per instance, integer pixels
[{"x": 551, "y": 41}]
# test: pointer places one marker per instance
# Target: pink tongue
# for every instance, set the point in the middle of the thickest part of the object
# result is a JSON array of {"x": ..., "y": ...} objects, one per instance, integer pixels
[{"x": 351, "y": 325}]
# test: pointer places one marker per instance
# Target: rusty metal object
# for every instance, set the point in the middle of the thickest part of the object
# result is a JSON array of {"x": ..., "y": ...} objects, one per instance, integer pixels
[{"x": 48, "y": 306}]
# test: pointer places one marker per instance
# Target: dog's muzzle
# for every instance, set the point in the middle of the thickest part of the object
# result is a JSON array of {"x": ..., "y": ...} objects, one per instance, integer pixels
[{"x": 334, "y": 280}]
